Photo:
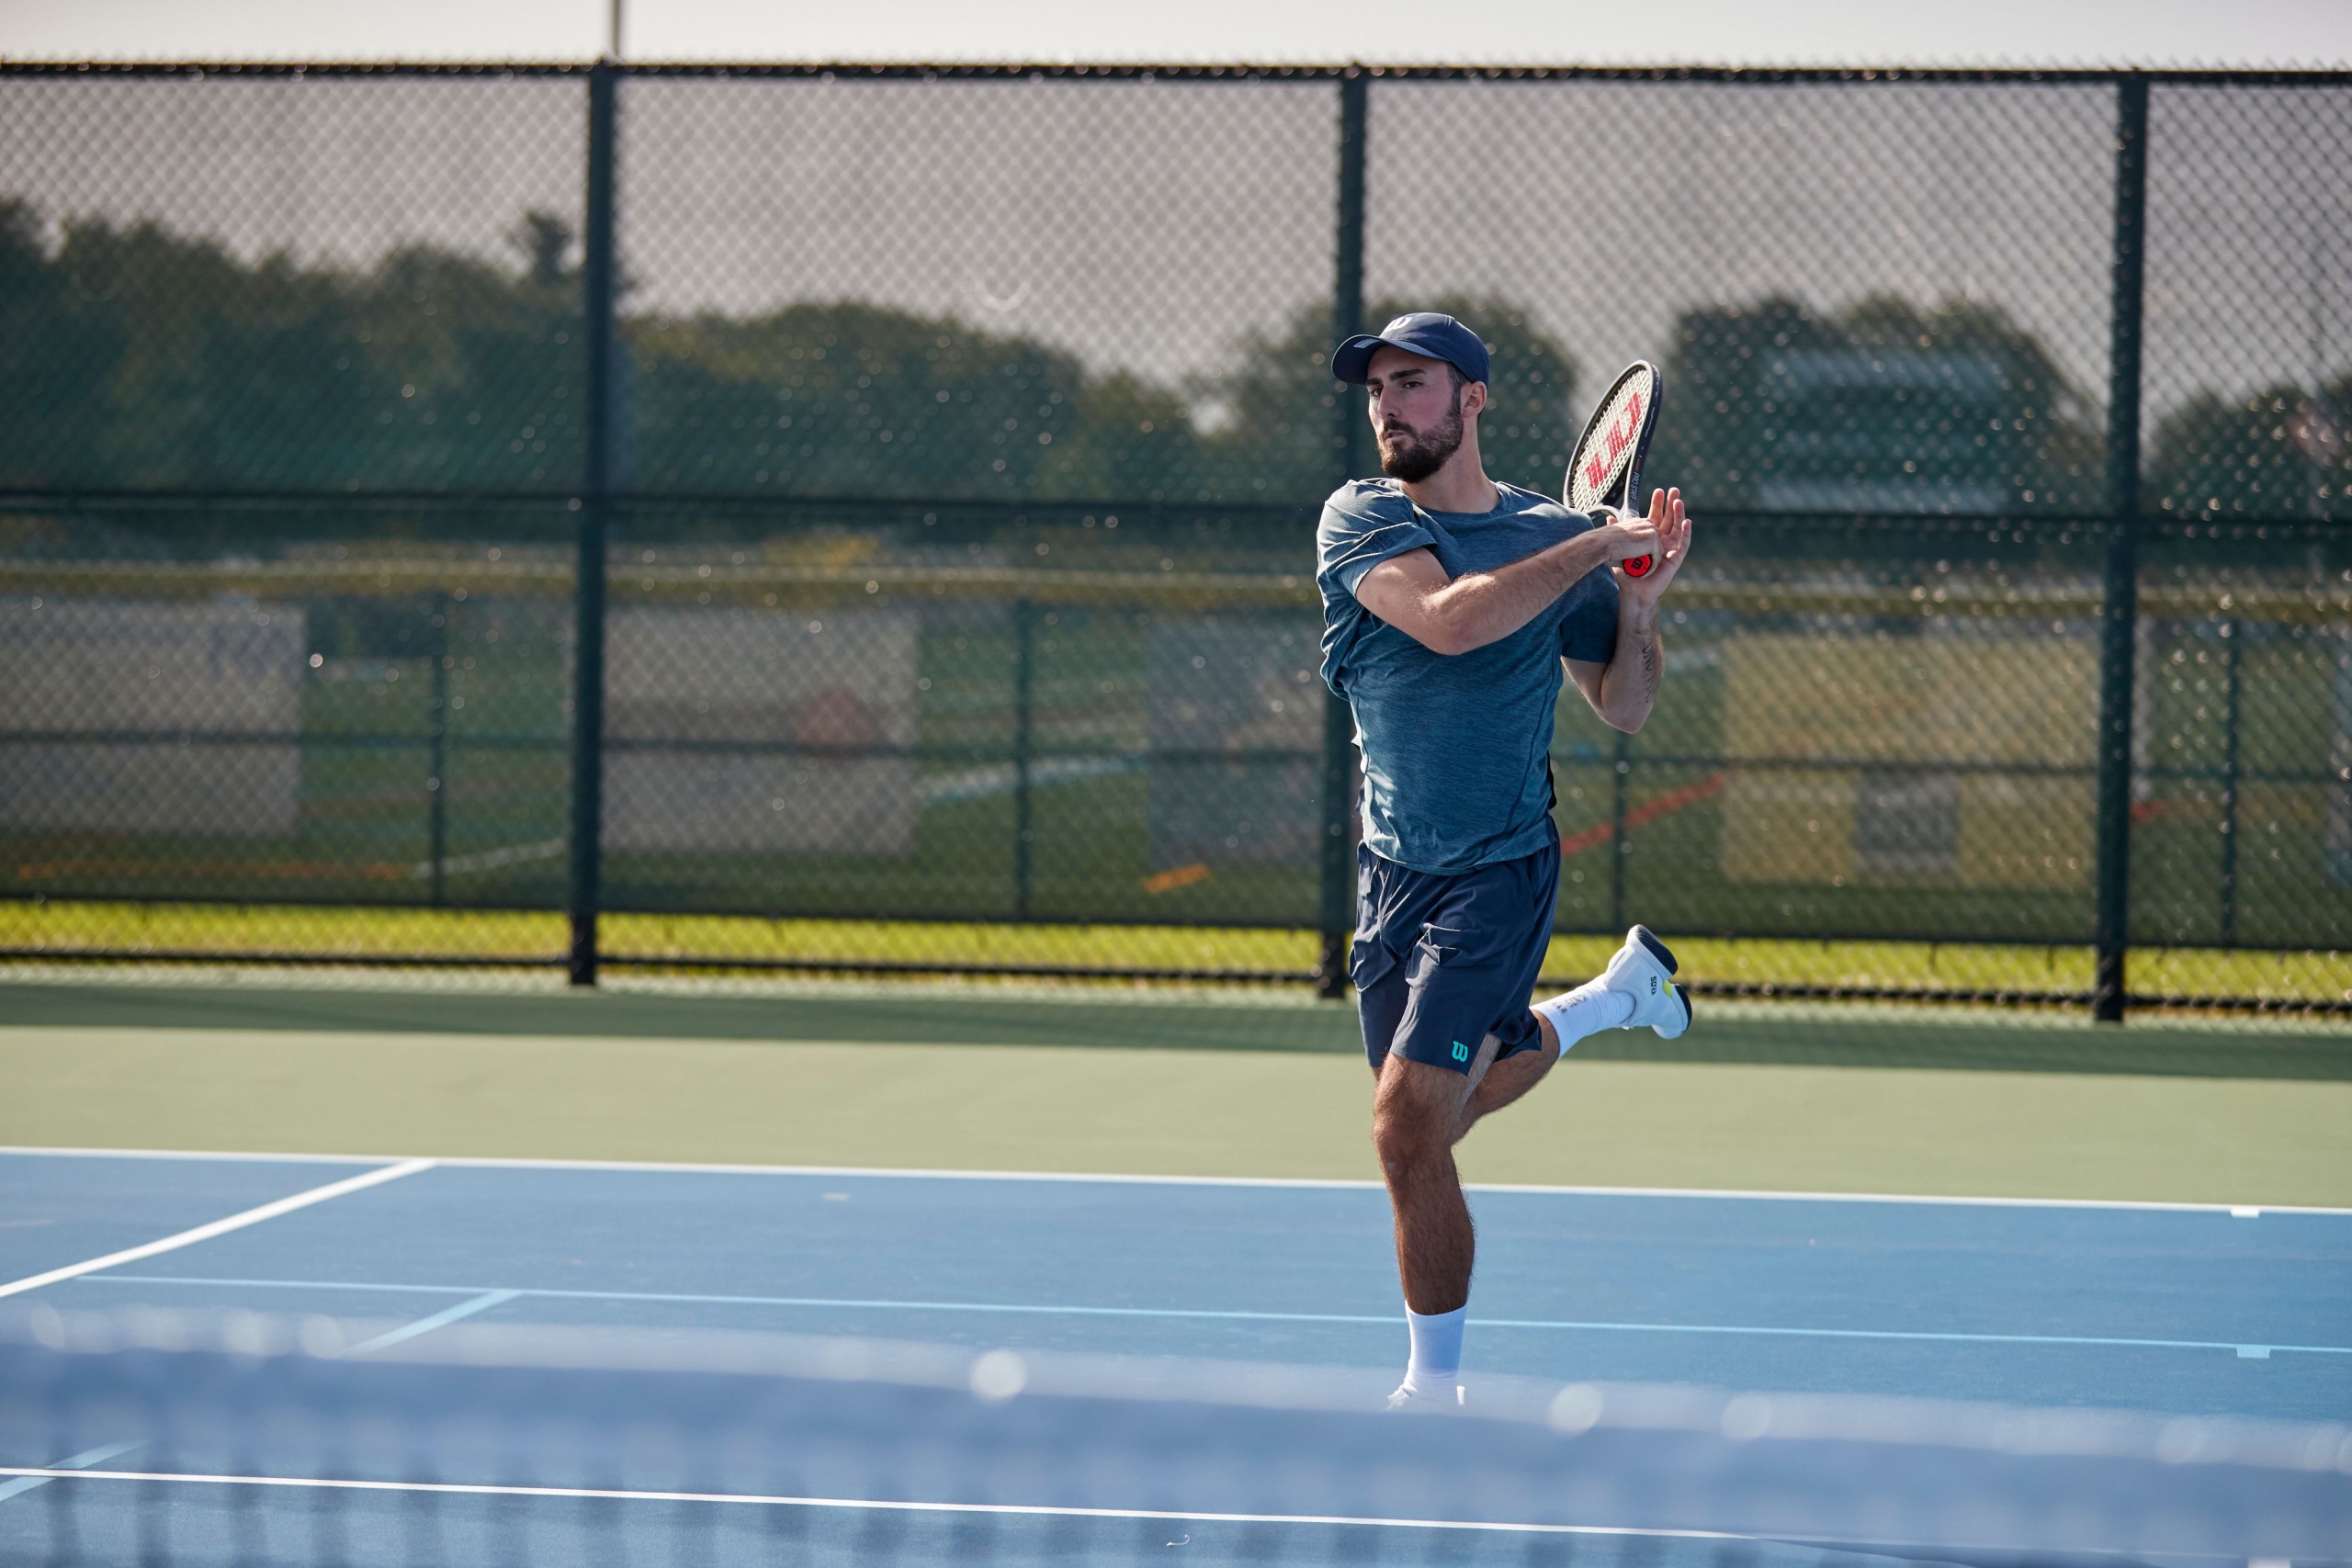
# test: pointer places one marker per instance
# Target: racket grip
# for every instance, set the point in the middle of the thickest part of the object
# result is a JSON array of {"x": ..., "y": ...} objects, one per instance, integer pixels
[{"x": 1639, "y": 565}]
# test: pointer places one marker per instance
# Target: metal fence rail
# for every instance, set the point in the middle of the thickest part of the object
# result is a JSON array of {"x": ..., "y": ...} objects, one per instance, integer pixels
[{"x": 848, "y": 495}]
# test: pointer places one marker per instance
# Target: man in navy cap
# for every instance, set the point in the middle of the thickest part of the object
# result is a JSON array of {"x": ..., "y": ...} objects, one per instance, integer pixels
[{"x": 1451, "y": 604}]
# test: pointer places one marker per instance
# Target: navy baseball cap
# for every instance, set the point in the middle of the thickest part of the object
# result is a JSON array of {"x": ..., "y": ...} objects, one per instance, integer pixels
[{"x": 1430, "y": 334}]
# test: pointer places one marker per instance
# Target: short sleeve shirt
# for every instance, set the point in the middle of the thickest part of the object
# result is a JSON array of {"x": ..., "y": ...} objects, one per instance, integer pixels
[{"x": 1456, "y": 747}]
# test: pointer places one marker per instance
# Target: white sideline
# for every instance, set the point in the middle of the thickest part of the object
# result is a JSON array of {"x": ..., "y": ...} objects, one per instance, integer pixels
[
  {"x": 484, "y": 1162},
  {"x": 221, "y": 1227},
  {"x": 97, "y": 1456},
  {"x": 465, "y": 1489}
]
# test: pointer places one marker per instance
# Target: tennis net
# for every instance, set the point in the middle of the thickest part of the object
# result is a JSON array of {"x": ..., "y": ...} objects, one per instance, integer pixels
[{"x": 251, "y": 1440}]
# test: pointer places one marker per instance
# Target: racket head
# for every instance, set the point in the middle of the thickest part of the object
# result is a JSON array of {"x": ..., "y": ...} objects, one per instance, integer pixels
[{"x": 1605, "y": 468}]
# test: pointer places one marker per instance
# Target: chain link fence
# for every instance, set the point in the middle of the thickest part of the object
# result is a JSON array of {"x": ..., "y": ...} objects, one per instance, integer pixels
[{"x": 942, "y": 501}]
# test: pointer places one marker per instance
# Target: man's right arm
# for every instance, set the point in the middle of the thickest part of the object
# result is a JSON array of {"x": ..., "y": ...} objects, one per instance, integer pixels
[{"x": 1455, "y": 614}]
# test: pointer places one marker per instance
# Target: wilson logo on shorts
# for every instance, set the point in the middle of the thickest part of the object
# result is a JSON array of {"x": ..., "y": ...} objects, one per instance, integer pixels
[{"x": 1461, "y": 1052}]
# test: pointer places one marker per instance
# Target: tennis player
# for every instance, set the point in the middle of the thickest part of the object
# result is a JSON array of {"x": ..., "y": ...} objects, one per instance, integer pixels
[{"x": 1451, "y": 606}]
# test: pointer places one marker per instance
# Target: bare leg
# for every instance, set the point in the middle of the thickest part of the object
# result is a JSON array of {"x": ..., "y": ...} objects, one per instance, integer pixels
[
  {"x": 1508, "y": 1079},
  {"x": 1414, "y": 1114}
]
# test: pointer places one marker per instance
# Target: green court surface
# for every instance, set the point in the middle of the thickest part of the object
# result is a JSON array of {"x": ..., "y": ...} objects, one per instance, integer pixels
[{"x": 1857, "y": 1100}]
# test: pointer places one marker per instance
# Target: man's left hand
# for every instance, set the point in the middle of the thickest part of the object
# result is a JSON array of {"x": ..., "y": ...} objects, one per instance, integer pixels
[{"x": 1674, "y": 549}]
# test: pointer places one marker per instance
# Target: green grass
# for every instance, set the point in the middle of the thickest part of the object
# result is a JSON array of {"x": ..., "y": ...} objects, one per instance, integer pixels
[{"x": 710, "y": 941}]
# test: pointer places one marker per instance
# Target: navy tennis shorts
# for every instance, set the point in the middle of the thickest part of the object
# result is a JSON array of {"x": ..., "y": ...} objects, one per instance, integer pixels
[{"x": 1440, "y": 962}]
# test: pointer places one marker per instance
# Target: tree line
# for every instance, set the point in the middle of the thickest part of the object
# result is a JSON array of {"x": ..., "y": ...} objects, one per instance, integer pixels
[{"x": 135, "y": 358}]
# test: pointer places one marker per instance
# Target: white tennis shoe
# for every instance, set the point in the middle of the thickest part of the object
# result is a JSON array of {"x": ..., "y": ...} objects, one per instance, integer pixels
[
  {"x": 1643, "y": 969},
  {"x": 1409, "y": 1397}
]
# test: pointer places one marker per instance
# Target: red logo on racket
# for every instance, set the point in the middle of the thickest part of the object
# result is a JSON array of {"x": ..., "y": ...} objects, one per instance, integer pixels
[{"x": 1620, "y": 436}]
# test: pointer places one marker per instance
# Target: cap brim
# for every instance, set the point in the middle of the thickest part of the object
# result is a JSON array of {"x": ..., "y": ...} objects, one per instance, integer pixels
[{"x": 1351, "y": 361}]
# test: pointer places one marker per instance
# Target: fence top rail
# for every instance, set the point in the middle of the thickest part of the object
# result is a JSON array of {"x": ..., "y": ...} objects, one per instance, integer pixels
[{"x": 904, "y": 71}]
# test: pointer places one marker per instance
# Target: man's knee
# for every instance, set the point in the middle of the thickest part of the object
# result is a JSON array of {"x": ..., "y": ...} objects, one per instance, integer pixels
[{"x": 1409, "y": 1132}]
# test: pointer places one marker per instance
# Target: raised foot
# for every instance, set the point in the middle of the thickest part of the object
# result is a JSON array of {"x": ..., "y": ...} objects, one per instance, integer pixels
[{"x": 1643, "y": 969}]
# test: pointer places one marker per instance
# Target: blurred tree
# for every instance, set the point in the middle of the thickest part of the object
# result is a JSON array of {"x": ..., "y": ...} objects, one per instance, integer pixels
[
  {"x": 491, "y": 372},
  {"x": 1272, "y": 422},
  {"x": 1886, "y": 406},
  {"x": 150, "y": 361},
  {"x": 545, "y": 241},
  {"x": 137, "y": 358},
  {"x": 132, "y": 357},
  {"x": 55, "y": 346},
  {"x": 2279, "y": 453},
  {"x": 848, "y": 400}
]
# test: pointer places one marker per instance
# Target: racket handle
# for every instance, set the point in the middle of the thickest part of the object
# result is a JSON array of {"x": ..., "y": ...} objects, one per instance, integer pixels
[{"x": 1640, "y": 566}]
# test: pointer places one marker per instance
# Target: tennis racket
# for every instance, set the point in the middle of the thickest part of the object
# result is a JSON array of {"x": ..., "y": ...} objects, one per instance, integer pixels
[{"x": 1605, "y": 470}]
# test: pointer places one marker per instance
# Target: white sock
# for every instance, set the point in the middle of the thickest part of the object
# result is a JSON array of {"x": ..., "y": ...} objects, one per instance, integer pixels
[
  {"x": 1588, "y": 1009},
  {"x": 1437, "y": 1350}
]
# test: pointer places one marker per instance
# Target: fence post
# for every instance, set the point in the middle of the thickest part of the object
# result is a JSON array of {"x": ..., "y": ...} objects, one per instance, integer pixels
[
  {"x": 1025, "y": 699},
  {"x": 1620, "y": 767},
  {"x": 1338, "y": 794},
  {"x": 436, "y": 766},
  {"x": 2120, "y": 605},
  {"x": 597, "y": 286},
  {"x": 2233, "y": 702}
]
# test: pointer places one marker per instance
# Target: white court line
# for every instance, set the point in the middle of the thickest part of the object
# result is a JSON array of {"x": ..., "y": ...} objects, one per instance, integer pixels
[
  {"x": 485, "y": 1296},
  {"x": 219, "y": 1227},
  {"x": 458, "y": 1313},
  {"x": 24, "y": 1483},
  {"x": 461, "y": 1489},
  {"x": 919, "y": 1173}
]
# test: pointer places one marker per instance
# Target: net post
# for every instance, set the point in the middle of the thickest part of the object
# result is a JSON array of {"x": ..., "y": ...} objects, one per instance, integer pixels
[
  {"x": 1338, "y": 792},
  {"x": 2118, "y": 606},
  {"x": 596, "y": 291}
]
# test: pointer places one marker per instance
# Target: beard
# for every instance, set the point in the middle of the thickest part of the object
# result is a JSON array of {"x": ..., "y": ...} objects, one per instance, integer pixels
[{"x": 1414, "y": 454}]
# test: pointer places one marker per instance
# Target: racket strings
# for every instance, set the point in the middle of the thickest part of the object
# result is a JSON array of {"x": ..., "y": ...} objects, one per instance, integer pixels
[{"x": 1604, "y": 471}]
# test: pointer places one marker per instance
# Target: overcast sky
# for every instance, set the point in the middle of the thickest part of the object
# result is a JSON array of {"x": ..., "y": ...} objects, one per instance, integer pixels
[{"x": 1751, "y": 32}]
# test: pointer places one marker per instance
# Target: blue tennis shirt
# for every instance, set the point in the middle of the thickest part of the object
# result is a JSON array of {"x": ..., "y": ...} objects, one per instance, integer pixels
[{"x": 1456, "y": 750}]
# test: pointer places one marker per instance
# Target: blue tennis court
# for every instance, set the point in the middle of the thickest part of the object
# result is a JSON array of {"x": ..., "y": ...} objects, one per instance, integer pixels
[{"x": 2197, "y": 1310}]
